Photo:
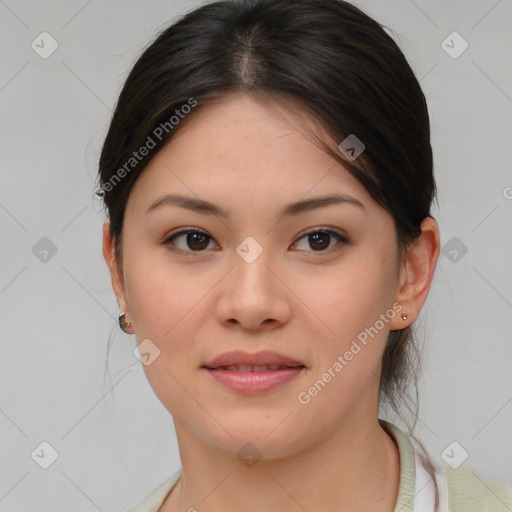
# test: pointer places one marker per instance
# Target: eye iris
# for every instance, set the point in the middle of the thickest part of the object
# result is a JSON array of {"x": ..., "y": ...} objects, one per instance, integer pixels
[
  {"x": 322, "y": 236},
  {"x": 193, "y": 238}
]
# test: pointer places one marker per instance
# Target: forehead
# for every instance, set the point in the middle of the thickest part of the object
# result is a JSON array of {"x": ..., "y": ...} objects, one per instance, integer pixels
[
  {"x": 240, "y": 146},
  {"x": 239, "y": 126}
]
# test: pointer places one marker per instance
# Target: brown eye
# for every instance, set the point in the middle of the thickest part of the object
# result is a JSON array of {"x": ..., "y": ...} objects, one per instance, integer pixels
[
  {"x": 320, "y": 239},
  {"x": 191, "y": 240}
]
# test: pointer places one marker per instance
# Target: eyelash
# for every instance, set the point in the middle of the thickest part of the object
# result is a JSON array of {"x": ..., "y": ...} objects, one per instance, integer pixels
[{"x": 341, "y": 239}]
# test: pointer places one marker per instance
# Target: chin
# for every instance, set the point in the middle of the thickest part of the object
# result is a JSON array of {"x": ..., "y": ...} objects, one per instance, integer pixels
[{"x": 256, "y": 443}]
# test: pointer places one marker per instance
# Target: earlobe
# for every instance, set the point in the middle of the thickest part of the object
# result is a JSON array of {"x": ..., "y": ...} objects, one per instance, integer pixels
[{"x": 417, "y": 272}]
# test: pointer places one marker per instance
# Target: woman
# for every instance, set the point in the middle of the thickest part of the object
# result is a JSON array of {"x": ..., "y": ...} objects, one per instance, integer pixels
[{"x": 268, "y": 179}]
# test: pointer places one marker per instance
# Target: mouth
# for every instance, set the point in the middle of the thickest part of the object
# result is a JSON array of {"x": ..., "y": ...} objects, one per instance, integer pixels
[
  {"x": 253, "y": 379},
  {"x": 253, "y": 373},
  {"x": 242, "y": 361},
  {"x": 245, "y": 368}
]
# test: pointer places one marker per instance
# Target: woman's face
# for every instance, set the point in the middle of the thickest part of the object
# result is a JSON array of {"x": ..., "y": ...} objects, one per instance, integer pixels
[{"x": 257, "y": 281}]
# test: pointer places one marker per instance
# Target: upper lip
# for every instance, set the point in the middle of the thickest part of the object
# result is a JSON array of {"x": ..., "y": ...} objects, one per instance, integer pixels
[{"x": 263, "y": 358}]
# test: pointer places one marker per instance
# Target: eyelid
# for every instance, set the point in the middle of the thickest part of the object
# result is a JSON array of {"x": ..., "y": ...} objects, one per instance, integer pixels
[
  {"x": 342, "y": 239},
  {"x": 323, "y": 229},
  {"x": 183, "y": 231}
]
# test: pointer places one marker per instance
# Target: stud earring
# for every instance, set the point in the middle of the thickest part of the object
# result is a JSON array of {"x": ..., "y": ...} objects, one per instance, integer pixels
[
  {"x": 404, "y": 316},
  {"x": 123, "y": 324}
]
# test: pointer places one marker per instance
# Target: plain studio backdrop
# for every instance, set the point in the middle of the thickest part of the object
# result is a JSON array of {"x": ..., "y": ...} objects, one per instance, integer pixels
[{"x": 107, "y": 440}]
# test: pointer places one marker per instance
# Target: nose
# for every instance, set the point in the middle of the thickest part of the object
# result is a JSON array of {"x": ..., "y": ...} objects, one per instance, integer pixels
[{"x": 253, "y": 295}]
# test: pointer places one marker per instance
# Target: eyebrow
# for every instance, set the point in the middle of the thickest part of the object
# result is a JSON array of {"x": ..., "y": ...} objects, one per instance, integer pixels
[{"x": 205, "y": 207}]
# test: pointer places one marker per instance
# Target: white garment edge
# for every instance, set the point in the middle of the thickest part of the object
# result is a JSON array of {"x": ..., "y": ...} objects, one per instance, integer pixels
[{"x": 424, "y": 493}]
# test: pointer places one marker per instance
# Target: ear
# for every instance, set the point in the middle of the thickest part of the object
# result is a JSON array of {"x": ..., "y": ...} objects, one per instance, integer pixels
[
  {"x": 116, "y": 274},
  {"x": 416, "y": 273}
]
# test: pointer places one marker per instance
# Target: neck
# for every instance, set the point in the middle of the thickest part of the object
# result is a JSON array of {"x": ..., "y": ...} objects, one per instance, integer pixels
[{"x": 355, "y": 468}]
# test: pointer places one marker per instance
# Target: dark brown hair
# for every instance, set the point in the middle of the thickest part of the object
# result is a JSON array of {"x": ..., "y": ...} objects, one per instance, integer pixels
[{"x": 327, "y": 56}]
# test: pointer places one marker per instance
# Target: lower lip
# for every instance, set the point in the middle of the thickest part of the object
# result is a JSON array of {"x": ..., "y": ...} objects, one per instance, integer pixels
[{"x": 254, "y": 382}]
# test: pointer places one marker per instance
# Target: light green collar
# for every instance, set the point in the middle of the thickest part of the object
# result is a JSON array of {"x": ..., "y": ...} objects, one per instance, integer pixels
[{"x": 405, "y": 499}]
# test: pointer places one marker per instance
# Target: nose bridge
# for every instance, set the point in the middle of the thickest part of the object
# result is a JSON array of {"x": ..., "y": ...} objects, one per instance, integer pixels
[
  {"x": 252, "y": 295},
  {"x": 251, "y": 262}
]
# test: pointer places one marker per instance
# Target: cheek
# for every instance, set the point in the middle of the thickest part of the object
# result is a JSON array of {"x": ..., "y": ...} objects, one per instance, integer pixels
[
  {"x": 160, "y": 296},
  {"x": 349, "y": 302},
  {"x": 165, "y": 310},
  {"x": 347, "y": 363},
  {"x": 169, "y": 306},
  {"x": 349, "y": 298}
]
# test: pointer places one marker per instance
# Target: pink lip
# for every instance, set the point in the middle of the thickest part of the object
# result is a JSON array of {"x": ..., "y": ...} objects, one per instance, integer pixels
[
  {"x": 262, "y": 358},
  {"x": 255, "y": 383}
]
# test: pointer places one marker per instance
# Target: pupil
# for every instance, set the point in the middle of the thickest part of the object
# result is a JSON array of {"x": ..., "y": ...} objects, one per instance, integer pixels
[
  {"x": 193, "y": 238},
  {"x": 322, "y": 236}
]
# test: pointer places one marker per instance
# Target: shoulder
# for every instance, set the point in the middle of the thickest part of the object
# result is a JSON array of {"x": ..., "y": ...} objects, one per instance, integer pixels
[
  {"x": 460, "y": 490},
  {"x": 469, "y": 491},
  {"x": 157, "y": 497}
]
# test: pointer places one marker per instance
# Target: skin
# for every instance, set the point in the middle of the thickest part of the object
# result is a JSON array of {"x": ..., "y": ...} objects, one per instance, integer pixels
[{"x": 330, "y": 454}]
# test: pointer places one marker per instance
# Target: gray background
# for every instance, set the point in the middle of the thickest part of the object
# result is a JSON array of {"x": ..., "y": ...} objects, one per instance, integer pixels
[{"x": 115, "y": 441}]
